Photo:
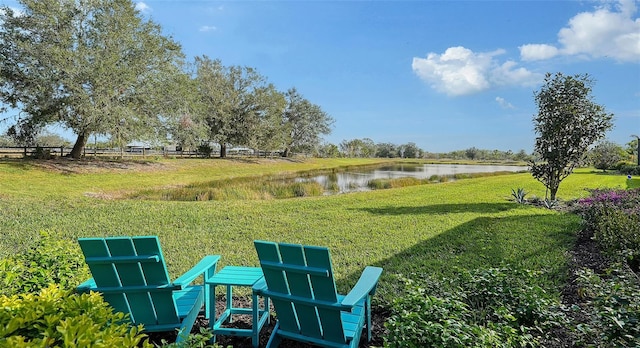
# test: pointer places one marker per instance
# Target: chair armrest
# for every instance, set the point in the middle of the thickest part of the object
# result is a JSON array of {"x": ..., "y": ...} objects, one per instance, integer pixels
[
  {"x": 205, "y": 264},
  {"x": 86, "y": 286},
  {"x": 259, "y": 286},
  {"x": 365, "y": 286}
]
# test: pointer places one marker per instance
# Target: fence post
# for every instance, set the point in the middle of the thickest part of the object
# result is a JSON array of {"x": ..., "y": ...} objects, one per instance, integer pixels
[{"x": 25, "y": 152}]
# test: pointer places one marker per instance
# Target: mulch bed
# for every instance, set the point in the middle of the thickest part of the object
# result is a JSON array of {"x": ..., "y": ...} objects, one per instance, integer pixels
[{"x": 378, "y": 316}]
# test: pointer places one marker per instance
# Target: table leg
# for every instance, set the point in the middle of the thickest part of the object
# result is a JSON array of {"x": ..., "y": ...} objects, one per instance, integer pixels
[
  {"x": 255, "y": 324},
  {"x": 230, "y": 302},
  {"x": 212, "y": 310}
]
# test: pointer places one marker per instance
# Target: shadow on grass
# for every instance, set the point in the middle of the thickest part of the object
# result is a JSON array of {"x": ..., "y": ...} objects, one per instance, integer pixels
[
  {"x": 633, "y": 183},
  {"x": 488, "y": 208},
  {"x": 536, "y": 242}
]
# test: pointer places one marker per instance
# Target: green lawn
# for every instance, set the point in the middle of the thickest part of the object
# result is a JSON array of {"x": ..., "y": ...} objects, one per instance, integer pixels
[{"x": 428, "y": 229}]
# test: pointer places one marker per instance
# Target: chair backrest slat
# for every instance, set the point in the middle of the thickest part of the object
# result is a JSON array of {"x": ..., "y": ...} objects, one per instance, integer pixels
[
  {"x": 299, "y": 286},
  {"x": 317, "y": 283},
  {"x": 325, "y": 290},
  {"x": 149, "y": 308},
  {"x": 104, "y": 274},
  {"x": 156, "y": 274},
  {"x": 276, "y": 282}
]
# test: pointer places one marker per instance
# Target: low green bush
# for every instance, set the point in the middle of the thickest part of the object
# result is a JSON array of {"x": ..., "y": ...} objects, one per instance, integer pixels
[
  {"x": 52, "y": 260},
  {"x": 612, "y": 308},
  {"x": 629, "y": 169},
  {"x": 496, "y": 307},
  {"x": 614, "y": 218},
  {"x": 58, "y": 318}
]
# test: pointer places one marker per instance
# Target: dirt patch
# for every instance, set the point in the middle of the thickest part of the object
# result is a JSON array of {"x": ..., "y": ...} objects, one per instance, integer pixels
[
  {"x": 85, "y": 166},
  {"x": 378, "y": 331}
]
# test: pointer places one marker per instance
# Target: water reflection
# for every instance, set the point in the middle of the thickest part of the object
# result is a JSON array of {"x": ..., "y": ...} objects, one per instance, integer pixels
[{"x": 357, "y": 180}]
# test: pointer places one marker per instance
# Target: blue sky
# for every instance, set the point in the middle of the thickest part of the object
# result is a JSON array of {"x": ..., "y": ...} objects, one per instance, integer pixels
[{"x": 446, "y": 75}]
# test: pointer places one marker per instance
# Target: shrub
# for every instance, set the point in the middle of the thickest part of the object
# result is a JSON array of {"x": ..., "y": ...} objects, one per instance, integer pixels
[
  {"x": 612, "y": 308},
  {"x": 614, "y": 218},
  {"x": 205, "y": 150},
  {"x": 484, "y": 308},
  {"x": 59, "y": 318},
  {"x": 52, "y": 260},
  {"x": 630, "y": 169}
]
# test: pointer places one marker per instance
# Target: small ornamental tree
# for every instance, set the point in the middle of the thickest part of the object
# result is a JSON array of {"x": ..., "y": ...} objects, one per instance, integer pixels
[{"x": 568, "y": 122}]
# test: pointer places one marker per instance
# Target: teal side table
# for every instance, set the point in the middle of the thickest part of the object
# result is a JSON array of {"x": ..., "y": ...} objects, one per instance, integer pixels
[{"x": 229, "y": 277}]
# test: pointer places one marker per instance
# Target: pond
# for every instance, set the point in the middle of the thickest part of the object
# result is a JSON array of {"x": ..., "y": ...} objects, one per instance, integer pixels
[{"x": 357, "y": 179}]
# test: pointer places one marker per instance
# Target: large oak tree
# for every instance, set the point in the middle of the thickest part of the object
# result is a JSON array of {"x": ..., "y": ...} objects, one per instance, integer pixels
[
  {"x": 303, "y": 123},
  {"x": 237, "y": 104},
  {"x": 93, "y": 66}
]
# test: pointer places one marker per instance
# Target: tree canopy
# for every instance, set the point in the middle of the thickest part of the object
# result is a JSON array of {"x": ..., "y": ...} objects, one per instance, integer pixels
[
  {"x": 94, "y": 66},
  {"x": 567, "y": 123}
]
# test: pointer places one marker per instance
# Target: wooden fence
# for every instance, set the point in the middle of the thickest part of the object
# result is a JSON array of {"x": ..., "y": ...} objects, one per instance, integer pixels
[
  {"x": 60, "y": 151},
  {"x": 46, "y": 152}
]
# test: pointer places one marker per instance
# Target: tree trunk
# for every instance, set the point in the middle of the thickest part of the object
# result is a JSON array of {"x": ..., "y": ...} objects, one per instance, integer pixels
[
  {"x": 553, "y": 193},
  {"x": 223, "y": 150},
  {"x": 286, "y": 152},
  {"x": 78, "y": 147}
]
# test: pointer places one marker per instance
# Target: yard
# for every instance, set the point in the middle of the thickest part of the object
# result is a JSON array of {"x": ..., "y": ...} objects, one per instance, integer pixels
[{"x": 436, "y": 230}]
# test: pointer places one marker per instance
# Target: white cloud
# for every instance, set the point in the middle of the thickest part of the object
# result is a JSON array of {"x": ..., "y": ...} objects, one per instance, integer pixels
[
  {"x": 143, "y": 7},
  {"x": 504, "y": 104},
  {"x": 537, "y": 51},
  {"x": 207, "y": 28},
  {"x": 608, "y": 31},
  {"x": 460, "y": 71}
]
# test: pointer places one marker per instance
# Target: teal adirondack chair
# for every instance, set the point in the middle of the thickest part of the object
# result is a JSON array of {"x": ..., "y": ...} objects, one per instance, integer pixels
[
  {"x": 131, "y": 274},
  {"x": 299, "y": 280}
]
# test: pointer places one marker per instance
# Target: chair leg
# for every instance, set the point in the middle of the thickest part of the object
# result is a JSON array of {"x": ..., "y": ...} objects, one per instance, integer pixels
[
  {"x": 368, "y": 314},
  {"x": 275, "y": 339}
]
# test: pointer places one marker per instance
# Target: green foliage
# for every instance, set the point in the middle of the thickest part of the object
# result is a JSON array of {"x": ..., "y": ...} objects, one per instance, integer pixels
[
  {"x": 54, "y": 259},
  {"x": 630, "y": 169},
  {"x": 519, "y": 195},
  {"x": 379, "y": 184},
  {"x": 614, "y": 218},
  {"x": 261, "y": 188},
  {"x": 496, "y": 307},
  {"x": 359, "y": 148},
  {"x": 605, "y": 155},
  {"x": 568, "y": 122},
  {"x": 303, "y": 123},
  {"x": 198, "y": 340},
  {"x": 59, "y": 318},
  {"x": 96, "y": 67},
  {"x": 237, "y": 105},
  {"x": 205, "y": 150},
  {"x": 612, "y": 308}
]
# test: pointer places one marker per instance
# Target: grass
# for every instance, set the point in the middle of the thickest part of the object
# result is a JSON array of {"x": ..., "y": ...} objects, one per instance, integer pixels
[{"x": 419, "y": 229}]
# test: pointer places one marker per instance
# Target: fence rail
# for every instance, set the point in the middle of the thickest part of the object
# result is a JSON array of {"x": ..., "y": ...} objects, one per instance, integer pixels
[
  {"x": 60, "y": 151},
  {"x": 135, "y": 152}
]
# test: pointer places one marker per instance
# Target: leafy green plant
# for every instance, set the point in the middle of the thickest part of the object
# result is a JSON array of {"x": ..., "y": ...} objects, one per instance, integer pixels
[
  {"x": 205, "y": 150},
  {"x": 496, "y": 307},
  {"x": 519, "y": 195},
  {"x": 197, "y": 340},
  {"x": 611, "y": 306},
  {"x": 52, "y": 260},
  {"x": 614, "y": 218},
  {"x": 59, "y": 318},
  {"x": 550, "y": 203}
]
